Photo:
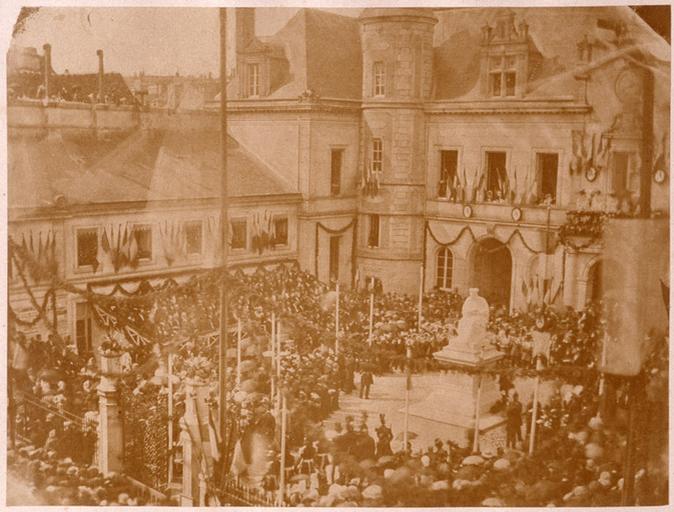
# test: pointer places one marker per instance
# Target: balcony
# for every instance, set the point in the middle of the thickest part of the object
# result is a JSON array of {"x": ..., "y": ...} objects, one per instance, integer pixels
[{"x": 496, "y": 212}]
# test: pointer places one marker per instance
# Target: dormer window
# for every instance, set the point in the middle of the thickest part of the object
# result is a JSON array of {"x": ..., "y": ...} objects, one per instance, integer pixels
[
  {"x": 502, "y": 75},
  {"x": 253, "y": 80},
  {"x": 378, "y": 73}
]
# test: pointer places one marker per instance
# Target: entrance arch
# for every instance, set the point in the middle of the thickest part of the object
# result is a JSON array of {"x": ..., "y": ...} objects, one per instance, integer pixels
[{"x": 491, "y": 271}]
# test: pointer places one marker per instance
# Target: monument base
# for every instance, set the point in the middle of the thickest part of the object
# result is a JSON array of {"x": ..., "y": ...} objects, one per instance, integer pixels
[{"x": 454, "y": 403}]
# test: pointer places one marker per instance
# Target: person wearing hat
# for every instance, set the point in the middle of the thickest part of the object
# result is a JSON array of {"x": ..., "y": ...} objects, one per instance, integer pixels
[
  {"x": 384, "y": 438},
  {"x": 513, "y": 421},
  {"x": 366, "y": 380}
]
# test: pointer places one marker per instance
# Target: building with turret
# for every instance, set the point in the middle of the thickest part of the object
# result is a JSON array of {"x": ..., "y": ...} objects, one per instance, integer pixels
[{"x": 450, "y": 149}]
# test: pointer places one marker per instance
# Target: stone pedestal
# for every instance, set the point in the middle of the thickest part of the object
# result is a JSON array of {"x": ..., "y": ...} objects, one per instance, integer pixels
[
  {"x": 466, "y": 395},
  {"x": 110, "y": 424},
  {"x": 454, "y": 403}
]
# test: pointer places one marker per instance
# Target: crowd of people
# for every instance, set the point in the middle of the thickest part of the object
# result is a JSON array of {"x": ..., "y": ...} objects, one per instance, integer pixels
[
  {"x": 62, "y": 481},
  {"x": 345, "y": 464},
  {"x": 578, "y": 462}
]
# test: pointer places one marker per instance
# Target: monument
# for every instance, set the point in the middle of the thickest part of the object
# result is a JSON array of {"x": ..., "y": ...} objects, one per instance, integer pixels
[{"x": 462, "y": 397}]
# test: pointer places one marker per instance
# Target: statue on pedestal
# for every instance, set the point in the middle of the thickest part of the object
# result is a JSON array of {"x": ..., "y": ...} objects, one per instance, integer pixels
[
  {"x": 470, "y": 343},
  {"x": 472, "y": 328}
]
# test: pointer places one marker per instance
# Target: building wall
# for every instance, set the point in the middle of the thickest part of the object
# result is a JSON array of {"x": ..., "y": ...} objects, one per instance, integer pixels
[{"x": 401, "y": 42}]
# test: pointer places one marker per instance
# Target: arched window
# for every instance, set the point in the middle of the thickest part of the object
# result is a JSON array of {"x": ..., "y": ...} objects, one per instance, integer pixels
[{"x": 443, "y": 268}]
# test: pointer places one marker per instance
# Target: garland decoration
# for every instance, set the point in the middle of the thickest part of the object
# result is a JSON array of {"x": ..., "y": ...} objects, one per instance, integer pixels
[
  {"x": 320, "y": 225},
  {"x": 468, "y": 229}
]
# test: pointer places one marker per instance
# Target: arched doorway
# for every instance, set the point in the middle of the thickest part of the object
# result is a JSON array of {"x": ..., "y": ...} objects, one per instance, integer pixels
[{"x": 491, "y": 266}]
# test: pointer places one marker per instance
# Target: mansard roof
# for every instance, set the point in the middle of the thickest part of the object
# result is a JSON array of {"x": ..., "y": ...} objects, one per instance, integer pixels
[
  {"x": 136, "y": 166},
  {"x": 554, "y": 34},
  {"x": 323, "y": 50}
]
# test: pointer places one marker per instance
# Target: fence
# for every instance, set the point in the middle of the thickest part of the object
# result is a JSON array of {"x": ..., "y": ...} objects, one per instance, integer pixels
[
  {"x": 44, "y": 424},
  {"x": 145, "y": 452},
  {"x": 235, "y": 493}
]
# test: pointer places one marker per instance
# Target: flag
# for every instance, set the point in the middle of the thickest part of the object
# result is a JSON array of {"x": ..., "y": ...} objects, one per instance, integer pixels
[
  {"x": 239, "y": 465},
  {"x": 213, "y": 436},
  {"x": 133, "y": 250},
  {"x": 541, "y": 343}
]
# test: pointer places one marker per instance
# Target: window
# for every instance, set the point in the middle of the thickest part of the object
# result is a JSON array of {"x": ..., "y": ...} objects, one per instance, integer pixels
[
  {"x": 87, "y": 247},
  {"x": 253, "y": 79},
  {"x": 378, "y": 73},
  {"x": 443, "y": 268},
  {"x": 496, "y": 174},
  {"x": 193, "y": 237},
  {"x": 281, "y": 231},
  {"x": 143, "y": 236},
  {"x": 448, "y": 170},
  {"x": 377, "y": 155},
  {"x": 619, "y": 172},
  {"x": 336, "y": 171},
  {"x": 334, "y": 258},
  {"x": 502, "y": 75},
  {"x": 83, "y": 325},
  {"x": 373, "y": 231},
  {"x": 239, "y": 235},
  {"x": 546, "y": 164}
]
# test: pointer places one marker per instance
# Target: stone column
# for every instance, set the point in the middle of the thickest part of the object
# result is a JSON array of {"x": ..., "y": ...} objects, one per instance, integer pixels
[{"x": 110, "y": 424}]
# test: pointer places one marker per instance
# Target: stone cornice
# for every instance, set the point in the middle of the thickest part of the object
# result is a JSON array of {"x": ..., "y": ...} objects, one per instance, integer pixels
[
  {"x": 514, "y": 106},
  {"x": 76, "y": 210}
]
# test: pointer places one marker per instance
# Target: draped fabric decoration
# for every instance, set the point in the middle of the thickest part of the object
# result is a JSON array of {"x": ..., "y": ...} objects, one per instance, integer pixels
[
  {"x": 263, "y": 234},
  {"x": 590, "y": 149},
  {"x": 118, "y": 248},
  {"x": 340, "y": 231},
  {"x": 370, "y": 181},
  {"x": 173, "y": 241},
  {"x": 516, "y": 233},
  {"x": 42, "y": 249}
]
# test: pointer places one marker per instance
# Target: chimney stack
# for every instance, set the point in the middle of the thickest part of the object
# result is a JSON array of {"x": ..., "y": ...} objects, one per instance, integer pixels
[
  {"x": 47, "y": 68},
  {"x": 101, "y": 72},
  {"x": 244, "y": 17}
]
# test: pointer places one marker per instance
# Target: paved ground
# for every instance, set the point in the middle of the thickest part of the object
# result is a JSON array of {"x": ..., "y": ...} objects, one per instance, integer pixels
[{"x": 387, "y": 396}]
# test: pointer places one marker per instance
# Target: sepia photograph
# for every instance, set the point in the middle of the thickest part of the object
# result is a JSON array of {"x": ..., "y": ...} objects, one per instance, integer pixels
[{"x": 336, "y": 257}]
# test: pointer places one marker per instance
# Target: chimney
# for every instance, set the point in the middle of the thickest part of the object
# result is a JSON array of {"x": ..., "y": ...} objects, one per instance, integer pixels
[
  {"x": 244, "y": 17},
  {"x": 101, "y": 72},
  {"x": 47, "y": 68}
]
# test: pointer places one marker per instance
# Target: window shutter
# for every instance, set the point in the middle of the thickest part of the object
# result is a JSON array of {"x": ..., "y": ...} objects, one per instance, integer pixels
[{"x": 389, "y": 83}]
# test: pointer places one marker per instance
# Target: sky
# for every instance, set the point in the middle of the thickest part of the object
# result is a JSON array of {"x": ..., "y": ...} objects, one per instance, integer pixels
[{"x": 159, "y": 40}]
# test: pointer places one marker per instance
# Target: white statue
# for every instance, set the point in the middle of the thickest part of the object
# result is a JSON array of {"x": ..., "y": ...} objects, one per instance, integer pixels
[{"x": 472, "y": 329}]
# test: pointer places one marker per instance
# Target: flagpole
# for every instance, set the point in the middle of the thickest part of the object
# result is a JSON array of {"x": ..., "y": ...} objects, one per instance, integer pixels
[
  {"x": 369, "y": 336},
  {"x": 170, "y": 417},
  {"x": 337, "y": 320},
  {"x": 408, "y": 385},
  {"x": 421, "y": 296},
  {"x": 238, "y": 351},
  {"x": 224, "y": 228},
  {"x": 282, "y": 476},
  {"x": 272, "y": 342},
  {"x": 476, "y": 434},
  {"x": 278, "y": 364},
  {"x": 534, "y": 412}
]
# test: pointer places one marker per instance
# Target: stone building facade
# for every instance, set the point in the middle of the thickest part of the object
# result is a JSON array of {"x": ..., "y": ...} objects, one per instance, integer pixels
[{"x": 421, "y": 148}]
